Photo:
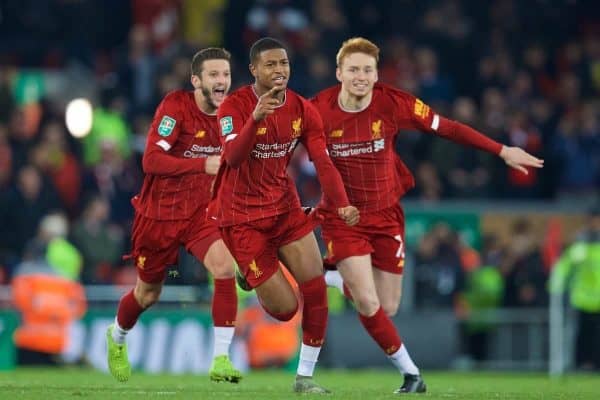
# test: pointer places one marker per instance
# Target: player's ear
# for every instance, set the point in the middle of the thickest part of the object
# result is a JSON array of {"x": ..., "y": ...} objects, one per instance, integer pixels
[
  {"x": 252, "y": 69},
  {"x": 338, "y": 74},
  {"x": 196, "y": 81},
  {"x": 376, "y": 76}
]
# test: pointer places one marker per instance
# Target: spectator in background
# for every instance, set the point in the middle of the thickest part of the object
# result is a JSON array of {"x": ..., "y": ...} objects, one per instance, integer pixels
[
  {"x": 439, "y": 274},
  {"x": 523, "y": 268},
  {"x": 109, "y": 124},
  {"x": 115, "y": 179},
  {"x": 433, "y": 87},
  {"x": 22, "y": 208},
  {"x": 6, "y": 96},
  {"x": 6, "y": 159},
  {"x": 574, "y": 152},
  {"x": 398, "y": 68},
  {"x": 5, "y": 181},
  {"x": 578, "y": 271},
  {"x": 468, "y": 173},
  {"x": 285, "y": 19},
  {"x": 483, "y": 292},
  {"x": 330, "y": 23},
  {"x": 138, "y": 70},
  {"x": 429, "y": 187},
  {"x": 523, "y": 134},
  {"x": 49, "y": 252},
  {"x": 46, "y": 292},
  {"x": 53, "y": 156},
  {"x": 101, "y": 243},
  {"x": 161, "y": 20}
]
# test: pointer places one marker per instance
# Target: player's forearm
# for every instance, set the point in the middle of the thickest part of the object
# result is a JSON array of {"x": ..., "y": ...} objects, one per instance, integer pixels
[
  {"x": 464, "y": 134},
  {"x": 237, "y": 148},
  {"x": 331, "y": 181},
  {"x": 157, "y": 162}
]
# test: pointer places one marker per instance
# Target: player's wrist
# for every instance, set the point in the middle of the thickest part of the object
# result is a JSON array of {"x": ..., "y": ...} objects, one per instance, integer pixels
[{"x": 503, "y": 151}]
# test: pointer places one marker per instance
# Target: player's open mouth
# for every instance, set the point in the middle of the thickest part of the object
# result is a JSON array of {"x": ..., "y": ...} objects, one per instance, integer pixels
[
  {"x": 219, "y": 93},
  {"x": 360, "y": 86},
  {"x": 279, "y": 80}
]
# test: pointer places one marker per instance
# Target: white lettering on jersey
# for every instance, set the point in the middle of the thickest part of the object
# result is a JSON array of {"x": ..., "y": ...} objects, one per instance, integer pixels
[{"x": 356, "y": 149}]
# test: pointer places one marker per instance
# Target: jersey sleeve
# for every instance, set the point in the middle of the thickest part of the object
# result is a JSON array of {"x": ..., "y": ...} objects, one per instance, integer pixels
[
  {"x": 237, "y": 132},
  {"x": 231, "y": 119},
  {"x": 164, "y": 132},
  {"x": 166, "y": 125},
  {"x": 313, "y": 138},
  {"x": 413, "y": 113}
]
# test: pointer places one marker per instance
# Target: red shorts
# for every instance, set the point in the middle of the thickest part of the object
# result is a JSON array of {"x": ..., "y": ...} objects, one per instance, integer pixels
[
  {"x": 255, "y": 245},
  {"x": 379, "y": 233},
  {"x": 155, "y": 243}
]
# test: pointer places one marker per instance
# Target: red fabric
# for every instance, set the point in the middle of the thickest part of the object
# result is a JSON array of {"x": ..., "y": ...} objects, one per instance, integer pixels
[
  {"x": 224, "y": 302},
  {"x": 382, "y": 330},
  {"x": 157, "y": 162},
  {"x": 255, "y": 245},
  {"x": 175, "y": 185},
  {"x": 379, "y": 233},
  {"x": 260, "y": 186},
  {"x": 465, "y": 135},
  {"x": 315, "y": 311},
  {"x": 361, "y": 144},
  {"x": 235, "y": 152},
  {"x": 155, "y": 243},
  {"x": 66, "y": 176},
  {"x": 129, "y": 311}
]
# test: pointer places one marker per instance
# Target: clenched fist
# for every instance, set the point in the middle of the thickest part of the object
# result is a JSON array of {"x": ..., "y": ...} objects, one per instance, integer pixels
[
  {"x": 349, "y": 214},
  {"x": 211, "y": 167}
]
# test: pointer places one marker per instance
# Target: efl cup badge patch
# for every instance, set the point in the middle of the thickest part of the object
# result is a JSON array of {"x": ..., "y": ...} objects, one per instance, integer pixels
[
  {"x": 226, "y": 125},
  {"x": 166, "y": 126}
]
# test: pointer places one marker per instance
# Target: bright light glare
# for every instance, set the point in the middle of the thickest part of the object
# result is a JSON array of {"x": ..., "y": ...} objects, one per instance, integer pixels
[{"x": 79, "y": 117}]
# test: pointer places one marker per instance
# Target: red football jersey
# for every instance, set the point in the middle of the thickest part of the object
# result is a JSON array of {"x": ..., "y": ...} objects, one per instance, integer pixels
[
  {"x": 361, "y": 143},
  {"x": 261, "y": 187},
  {"x": 177, "y": 185}
]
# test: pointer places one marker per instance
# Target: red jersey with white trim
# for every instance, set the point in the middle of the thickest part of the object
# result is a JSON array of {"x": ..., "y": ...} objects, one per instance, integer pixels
[
  {"x": 260, "y": 187},
  {"x": 361, "y": 144},
  {"x": 175, "y": 187}
]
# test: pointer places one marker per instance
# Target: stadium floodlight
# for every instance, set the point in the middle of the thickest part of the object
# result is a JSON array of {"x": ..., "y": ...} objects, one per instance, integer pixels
[{"x": 79, "y": 117}]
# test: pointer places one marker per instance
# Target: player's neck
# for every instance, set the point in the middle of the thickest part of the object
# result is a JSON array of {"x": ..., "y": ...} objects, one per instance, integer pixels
[
  {"x": 260, "y": 90},
  {"x": 202, "y": 104},
  {"x": 351, "y": 103}
]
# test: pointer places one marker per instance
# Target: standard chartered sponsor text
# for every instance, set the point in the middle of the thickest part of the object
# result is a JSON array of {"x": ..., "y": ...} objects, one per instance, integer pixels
[
  {"x": 355, "y": 149},
  {"x": 197, "y": 151},
  {"x": 273, "y": 150}
]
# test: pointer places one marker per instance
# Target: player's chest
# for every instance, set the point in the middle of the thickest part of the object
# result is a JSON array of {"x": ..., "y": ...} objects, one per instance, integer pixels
[
  {"x": 199, "y": 136},
  {"x": 280, "y": 128},
  {"x": 343, "y": 127}
]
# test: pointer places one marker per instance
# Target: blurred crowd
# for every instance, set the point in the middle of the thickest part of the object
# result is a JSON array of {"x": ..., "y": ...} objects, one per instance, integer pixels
[{"x": 526, "y": 73}]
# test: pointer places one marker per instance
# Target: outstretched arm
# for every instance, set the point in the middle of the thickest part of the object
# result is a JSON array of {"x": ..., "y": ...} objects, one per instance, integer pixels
[
  {"x": 514, "y": 157},
  {"x": 421, "y": 117}
]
